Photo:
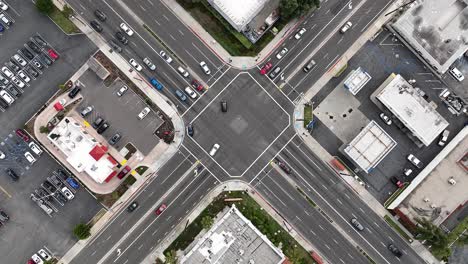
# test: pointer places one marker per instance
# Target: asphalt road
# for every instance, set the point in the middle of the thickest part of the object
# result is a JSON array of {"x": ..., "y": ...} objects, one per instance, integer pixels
[{"x": 335, "y": 199}]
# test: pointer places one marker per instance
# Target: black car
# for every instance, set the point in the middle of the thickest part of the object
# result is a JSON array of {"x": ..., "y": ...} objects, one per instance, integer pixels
[
  {"x": 55, "y": 180},
  {"x": 45, "y": 59},
  {"x": 190, "y": 130},
  {"x": 395, "y": 250},
  {"x": 3, "y": 216},
  {"x": 40, "y": 41},
  {"x": 74, "y": 92},
  {"x": 31, "y": 71},
  {"x": 12, "y": 65},
  {"x": 43, "y": 194},
  {"x": 223, "y": 106},
  {"x": 132, "y": 206},
  {"x": 59, "y": 196},
  {"x": 27, "y": 53},
  {"x": 33, "y": 46},
  {"x": 115, "y": 46},
  {"x": 114, "y": 139},
  {"x": 51, "y": 188},
  {"x": 12, "y": 174},
  {"x": 3, "y": 104},
  {"x": 37, "y": 63},
  {"x": 12, "y": 90},
  {"x": 62, "y": 174},
  {"x": 97, "y": 122},
  {"x": 120, "y": 37},
  {"x": 100, "y": 15},
  {"x": 103, "y": 128},
  {"x": 94, "y": 24}
]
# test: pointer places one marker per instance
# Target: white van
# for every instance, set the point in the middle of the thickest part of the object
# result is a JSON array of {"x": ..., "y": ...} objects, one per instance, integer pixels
[
  {"x": 7, "y": 97},
  {"x": 457, "y": 74}
]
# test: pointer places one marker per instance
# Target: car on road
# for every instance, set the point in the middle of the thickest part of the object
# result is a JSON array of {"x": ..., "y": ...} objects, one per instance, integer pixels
[
  {"x": 356, "y": 224},
  {"x": 181, "y": 95},
  {"x": 27, "y": 53},
  {"x": 37, "y": 259},
  {"x": 53, "y": 54},
  {"x": 190, "y": 130},
  {"x": 23, "y": 76},
  {"x": 443, "y": 138},
  {"x": 161, "y": 209},
  {"x": 275, "y": 72},
  {"x": 29, "y": 157},
  {"x": 282, "y": 53},
  {"x": 214, "y": 149},
  {"x": 385, "y": 118},
  {"x": 197, "y": 85},
  {"x": 143, "y": 113},
  {"x": 103, "y": 127},
  {"x": 86, "y": 111},
  {"x": 74, "y": 92},
  {"x": 266, "y": 68},
  {"x": 124, "y": 172},
  {"x": 96, "y": 26},
  {"x": 346, "y": 26},
  {"x": 33, "y": 46},
  {"x": 149, "y": 64},
  {"x": 122, "y": 90},
  {"x": 100, "y": 15},
  {"x": 395, "y": 250},
  {"x": 120, "y": 37},
  {"x": 300, "y": 33},
  {"x": 397, "y": 182},
  {"x": 205, "y": 68},
  {"x": 165, "y": 56},
  {"x": 44, "y": 254},
  {"x": 415, "y": 161},
  {"x": 156, "y": 84},
  {"x": 131, "y": 207},
  {"x": 3, "y": 6},
  {"x": 68, "y": 194},
  {"x": 7, "y": 72},
  {"x": 457, "y": 74},
  {"x": 12, "y": 174},
  {"x": 190, "y": 92},
  {"x": 35, "y": 148},
  {"x": 20, "y": 60},
  {"x": 223, "y": 106},
  {"x": 22, "y": 134},
  {"x": 309, "y": 66},
  {"x": 126, "y": 29},
  {"x": 135, "y": 65},
  {"x": 115, "y": 138}
]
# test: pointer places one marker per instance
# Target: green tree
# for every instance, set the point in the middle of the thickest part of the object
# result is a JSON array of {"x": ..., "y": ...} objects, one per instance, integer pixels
[
  {"x": 44, "y": 129},
  {"x": 207, "y": 222},
  {"x": 45, "y": 6},
  {"x": 171, "y": 257},
  {"x": 67, "y": 11},
  {"x": 82, "y": 231},
  {"x": 434, "y": 237},
  {"x": 288, "y": 8}
]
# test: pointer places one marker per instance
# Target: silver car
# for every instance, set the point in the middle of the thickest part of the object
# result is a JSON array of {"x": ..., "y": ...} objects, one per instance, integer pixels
[{"x": 86, "y": 111}]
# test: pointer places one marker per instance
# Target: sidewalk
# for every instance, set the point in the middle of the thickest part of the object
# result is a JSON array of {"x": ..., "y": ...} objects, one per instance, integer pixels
[
  {"x": 324, "y": 155},
  {"x": 242, "y": 63}
]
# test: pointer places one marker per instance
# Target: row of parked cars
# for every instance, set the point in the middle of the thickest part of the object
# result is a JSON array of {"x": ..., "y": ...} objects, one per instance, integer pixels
[
  {"x": 39, "y": 257},
  {"x": 22, "y": 67}
]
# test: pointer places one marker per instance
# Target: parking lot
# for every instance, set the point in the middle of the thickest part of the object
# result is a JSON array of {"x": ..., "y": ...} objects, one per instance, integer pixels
[
  {"x": 121, "y": 112},
  {"x": 29, "y": 228},
  {"x": 245, "y": 130},
  {"x": 381, "y": 57}
]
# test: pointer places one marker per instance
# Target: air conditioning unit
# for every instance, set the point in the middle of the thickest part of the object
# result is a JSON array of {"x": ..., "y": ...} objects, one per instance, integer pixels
[
  {"x": 426, "y": 200},
  {"x": 433, "y": 206},
  {"x": 452, "y": 181}
]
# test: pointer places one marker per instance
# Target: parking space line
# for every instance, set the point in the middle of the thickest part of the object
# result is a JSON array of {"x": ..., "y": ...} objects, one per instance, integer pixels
[{"x": 5, "y": 191}]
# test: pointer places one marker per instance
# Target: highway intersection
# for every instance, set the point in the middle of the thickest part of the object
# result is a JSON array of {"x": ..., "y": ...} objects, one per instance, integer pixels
[{"x": 257, "y": 129}]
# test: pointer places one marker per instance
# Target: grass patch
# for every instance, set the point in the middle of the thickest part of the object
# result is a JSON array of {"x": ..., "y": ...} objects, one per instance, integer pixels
[
  {"x": 232, "y": 41},
  {"x": 397, "y": 228},
  {"x": 141, "y": 169},
  {"x": 341, "y": 70},
  {"x": 458, "y": 230},
  {"x": 306, "y": 197},
  {"x": 109, "y": 199},
  {"x": 63, "y": 22},
  {"x": 395, "y": 195},
  {"x": 259, "y": 218},
  {"x": 308, "y": 115}
]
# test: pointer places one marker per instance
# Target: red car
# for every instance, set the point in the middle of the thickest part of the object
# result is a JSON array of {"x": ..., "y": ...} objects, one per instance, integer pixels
[
  {"x": 161, "y": 209},
  {"x": 22, "y": 134},
  {"x": 197, "y": 85},
  {"x": 397, "y": 182},
  {"x": 30, "y": 261},
  {"x": 266, "y": 68},
  {"x": 53, "y": 54},
  {"x": 124, "y": 172}
]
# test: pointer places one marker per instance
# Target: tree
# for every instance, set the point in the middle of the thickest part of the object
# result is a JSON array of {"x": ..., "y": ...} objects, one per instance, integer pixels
[
  {"x": 82, "y": 231},
  {"x": 434, "y": 237},
  {"x": 44, "y": 130},
  {"x": 67, "y": 11},
  {"x": 288, "y": 8},
  {"x": 45, "y": 6},
  {"x": 206, "y": 222},
  {"x": 294, "y": 8},
  {"x": 171, "y": 257}
]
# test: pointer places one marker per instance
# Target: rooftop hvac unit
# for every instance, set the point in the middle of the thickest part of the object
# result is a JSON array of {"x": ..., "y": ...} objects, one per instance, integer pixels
[
  {"x": 433, "y": 206},
  {"x": 452, "y": 181},
  {"x": 426, "y": 200},
  {"x": 251, "y": 261}
]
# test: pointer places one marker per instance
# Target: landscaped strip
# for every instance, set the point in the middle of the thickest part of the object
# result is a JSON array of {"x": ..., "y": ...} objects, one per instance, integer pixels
[
  {"x": 306, "y": 197},
  {"x": 63, "y": 22},
  {"x": 395, "y": 195},
  {"x": 307, "y": 114},
  {"x": 397, "y": 228}
]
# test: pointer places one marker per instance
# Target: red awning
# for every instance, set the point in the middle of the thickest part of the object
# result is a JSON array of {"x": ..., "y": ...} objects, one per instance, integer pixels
[
  {"x": 58, "y": 106},
  {"x": 110, "y": 176},
  {"x": 97, "y": 152},
  {"x": 112, "y": 160}
]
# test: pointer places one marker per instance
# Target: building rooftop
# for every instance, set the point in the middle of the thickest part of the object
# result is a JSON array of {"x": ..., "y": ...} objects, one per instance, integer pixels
[
  {"x": 437, "y": 30},
  {"x": 369, "y": 147},
  {"x": 240, "y": 12},
  {"x": 407, "y": 104},
  {"x": 441, "y": 187},
  {"x": 356, "y": 80},
  {"x": 233, "y": 239}
]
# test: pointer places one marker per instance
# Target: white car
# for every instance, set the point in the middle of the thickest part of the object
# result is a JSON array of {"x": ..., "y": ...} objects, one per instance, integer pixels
[
  {"x": 3, "y": 6},
  {"x": 67, "y": 193},
  {"x": 7, "y": 72},
  {"x": 205, "y": 68},
  {"x": 457, "y": 74},
  {"x": 6, "y": 97},
  {"x": 44, "y": 254},
  {"x": 148, "y": 63},
  {"x": 143, "y": 113},
  {"x": 126, "y": 29},
  {"x": 135, "y": 65},
  {"x": 37, "y": 259},
  {"x": 385, "y": 118},
  {"x": 300, "y": 33},
  {"x": 122, "y": 90},
  {"x": 346, "y": 26},
  {"x": 165, "y": 56},
  {"x": 5, "y": 20},
  {"x": 35, "y": 148},
  {"x": 30, "y": 157},
  {"x": 18, "y": 83},
  {"x": 190, "y": 92},
  {"x": 2, "y": 155},
  {"x": 214, "y": 149},
  {"x": 281, "y": 53},
  {"x": 24, "y": 76},
  {"x": 20, "y": 60},
  {"x": 63, "y": 101},
  {"x": 415, "y": 161},
  {"x": 444, "y": 138}
]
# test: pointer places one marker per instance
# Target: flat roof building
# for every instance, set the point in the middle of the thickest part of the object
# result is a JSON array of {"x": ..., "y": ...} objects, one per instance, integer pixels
[
  {"x": 436, "y": 31},
  {"x": 369, "y": 147},
  {"x": 357, "y": 80},
  {"x": 441, "y": 187},
  {"x": 233, "y": 239},
  {"x": 412, "y": 110}
]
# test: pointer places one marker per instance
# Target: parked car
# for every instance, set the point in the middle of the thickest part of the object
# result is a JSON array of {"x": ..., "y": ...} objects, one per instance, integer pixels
[
  {"x": 51, "y": 188},
  {"x": 300, "y": 33},
  {"x": 5, "y": 20},
  {"x": 132, "y": 206},
  {"x": 103, "y": 128},
  {"x": 149, "y": 64},
  {"x": 114, "y": 139},
  {"x": 68, "y": 194},
  {"x": 280, "y": 54},
  {"x": 122, "y": 90},
  {"x": 397, "y": 182},
  {"x": 2, "y": 155},
  {"x": 4, "y": 80},
  {"x": 346, "y": 26},
  {"x": 181, "y": 95},
  {"x": 45, "y": 59},
  {"x": 266, "y": 68},
  {"x": 27, "y": 53},
  {"x": 124, "y": 172},
  {"x": 165, "y": 56},
  {"x": 143, "y": 113},
  {"x": 223, "y": 106},
  {"x": 12, "y": 174},
  {"x": 161, "y": 209},
  {"x": 356, "y": 224},
  {"x": 40, "y": 41},
  {"x": 197, "y": 85},
  {"x": 100, "y": 15},
  {"x": 17, "y": 82},
  {"x": 14, "y": 65},
  {"x": 190, "y": 92},
  {"x": 31, "y": 71},
  {"x": 23, "y": 76},
  {"x": 205, "y": 68},
  {"x": 126, "y": 29},
  {"x": 86, "y": 111},
  {"x": 37, "y": 259},
  {"x": 13, "y": 91},
  {"x": 457, "y": 74},
  {"x": 385, "y": 118},
  {"x": 415, "y": 161},
  {"x": 190, "y": 130},
  {"x": 7, "y": 72},
  {"x": 3, "y": 6},
  {"x": 97, "y": 122},
  {"x": 44, "y": 254},
  {"x": 62, "y": 174},
  {"x": 73, "y": 183},
  {"x": 74, "y": 92},
  {"x": 444, "y": 138},
  {"x": 33, "y": 46},
  {"x": 3, "y": 216},
  {"x": 53, "y": 54},
  {"x": 20, "y": 60},
  {"x": 22, "y": 134},
  {"x": 37, "y": 63},
  {"x": 55, "y": 180},
  {"x": 183, "y": 72},
  {"x": 214, "y": 149},
  {"x": 135, "y": 65},
  {"x": 6, "y": 97},
  {"x": 115, "y": 46}
]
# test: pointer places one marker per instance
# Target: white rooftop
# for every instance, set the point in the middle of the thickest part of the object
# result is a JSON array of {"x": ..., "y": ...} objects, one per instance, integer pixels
[
  {"x": 356, "y": 80},
  {"x": 238, "y": 12},
  {"x": 369, "y": 147},
  {"x": 417, "y": 114}
]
